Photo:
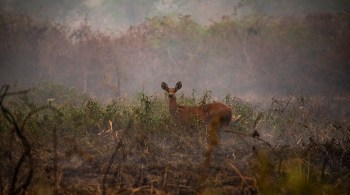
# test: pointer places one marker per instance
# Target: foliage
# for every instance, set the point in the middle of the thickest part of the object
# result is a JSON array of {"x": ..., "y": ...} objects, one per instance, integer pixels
[
  {"x": 268, "y": 55},
  {"x": 284, "y": 149}
]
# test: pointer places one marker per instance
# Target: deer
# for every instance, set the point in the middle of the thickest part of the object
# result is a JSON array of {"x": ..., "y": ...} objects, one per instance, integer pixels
[
  {"x": 215, "y": 115},
  {"x": 208, "y": 113}
]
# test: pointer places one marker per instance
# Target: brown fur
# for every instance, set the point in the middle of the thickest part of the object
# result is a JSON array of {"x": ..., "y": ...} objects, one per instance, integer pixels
[{"x": 206, "y": 113}]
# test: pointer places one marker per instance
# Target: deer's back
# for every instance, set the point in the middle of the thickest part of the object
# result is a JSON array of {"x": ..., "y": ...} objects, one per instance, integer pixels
[
  {"x": 219, "y": 111},
  {"x": 207, "y": 112}
]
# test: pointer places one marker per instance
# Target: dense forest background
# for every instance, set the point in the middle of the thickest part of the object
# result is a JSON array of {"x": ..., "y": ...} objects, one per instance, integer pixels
[{"x": 254, "y": 57}]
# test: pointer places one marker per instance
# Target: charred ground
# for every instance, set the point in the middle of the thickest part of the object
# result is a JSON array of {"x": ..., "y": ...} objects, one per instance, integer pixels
[{"x": 293, "y": 147}]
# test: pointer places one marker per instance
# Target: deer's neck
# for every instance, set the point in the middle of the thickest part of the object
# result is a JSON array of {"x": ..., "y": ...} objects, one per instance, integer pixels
[{"x": 173, "y": 105}]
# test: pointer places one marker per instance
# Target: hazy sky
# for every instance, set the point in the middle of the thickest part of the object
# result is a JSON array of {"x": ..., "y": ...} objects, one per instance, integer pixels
[{"x": 117, "y": 15}]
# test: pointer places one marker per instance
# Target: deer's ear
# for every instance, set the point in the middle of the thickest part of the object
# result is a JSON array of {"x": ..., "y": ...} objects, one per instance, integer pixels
[
  {"x": 165, "y": 86},
  {"x": 178, "y": 85}
]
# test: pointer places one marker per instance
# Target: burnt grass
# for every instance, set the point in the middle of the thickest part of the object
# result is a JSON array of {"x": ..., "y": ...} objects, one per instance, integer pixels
[{"x": 81, "y": 146}]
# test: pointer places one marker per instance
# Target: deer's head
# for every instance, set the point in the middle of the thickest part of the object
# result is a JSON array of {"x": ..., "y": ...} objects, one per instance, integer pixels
[{"x": 171, "y": 91}]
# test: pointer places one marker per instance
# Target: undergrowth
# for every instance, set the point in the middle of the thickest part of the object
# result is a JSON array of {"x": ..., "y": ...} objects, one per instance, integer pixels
[{"x": 78, "y": 144}]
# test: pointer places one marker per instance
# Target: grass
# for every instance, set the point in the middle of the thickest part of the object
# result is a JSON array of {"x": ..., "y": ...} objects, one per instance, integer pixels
[{"x": 69, "y": 149}]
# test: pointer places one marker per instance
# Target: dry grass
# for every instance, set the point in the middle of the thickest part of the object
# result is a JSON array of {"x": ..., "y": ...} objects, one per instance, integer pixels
[{"x": 260, "y": 153}]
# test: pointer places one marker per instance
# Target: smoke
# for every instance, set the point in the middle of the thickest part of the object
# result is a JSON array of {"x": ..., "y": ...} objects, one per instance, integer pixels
[
  {"x": 205, "y": 44},
  {"x": 119, "y": 15},
  {"x": 93, "y": 3}
]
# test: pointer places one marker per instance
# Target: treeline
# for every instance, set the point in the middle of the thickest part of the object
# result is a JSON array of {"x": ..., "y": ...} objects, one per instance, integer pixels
[{"x": 257, "y": 55}]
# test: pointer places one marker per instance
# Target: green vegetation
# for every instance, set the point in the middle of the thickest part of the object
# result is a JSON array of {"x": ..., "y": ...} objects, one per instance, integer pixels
[{"x": 284, "y": 149}]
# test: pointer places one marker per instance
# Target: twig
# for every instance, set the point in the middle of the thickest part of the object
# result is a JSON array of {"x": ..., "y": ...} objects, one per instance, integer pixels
[
  {"x": 35, "y": 111},
  {"x": 243, "y": 178},
  {"x": 4, "y": 92},
  {"x": 119, "y": 144},
  {"x": 165, "y": 177},
  {"x": 26, "y": 145},
  {"x": 342, "y": 179},
  {"x": 27, "y": 154},
  {"x": 250, "y": 135},
  {"x": 55, "y": 159}
]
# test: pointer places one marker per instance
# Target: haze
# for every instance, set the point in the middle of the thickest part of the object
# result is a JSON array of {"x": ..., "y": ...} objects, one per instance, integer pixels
[
  {"x": 118, "y": 15},
  {"x": 228, "y": 47}
]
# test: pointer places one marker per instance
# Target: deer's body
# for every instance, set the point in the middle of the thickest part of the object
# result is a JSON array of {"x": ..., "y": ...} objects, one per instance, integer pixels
[{"x": 219, "y": 112}]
